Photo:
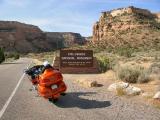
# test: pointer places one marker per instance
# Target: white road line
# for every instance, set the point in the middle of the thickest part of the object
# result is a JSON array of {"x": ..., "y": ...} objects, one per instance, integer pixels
[{"x": 11, "y": 96}]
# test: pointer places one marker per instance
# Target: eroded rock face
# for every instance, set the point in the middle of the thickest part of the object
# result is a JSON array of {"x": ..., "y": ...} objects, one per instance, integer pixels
[
  {"x": 65, "y": 38},
  {"x": 117, "y": 23},
  {"x": 15, "y": 36},
  {"x": 24, "y": 38}
]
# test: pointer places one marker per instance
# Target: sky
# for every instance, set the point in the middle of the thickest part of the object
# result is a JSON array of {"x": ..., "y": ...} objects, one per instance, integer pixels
[{"x": 66, "y": 15}]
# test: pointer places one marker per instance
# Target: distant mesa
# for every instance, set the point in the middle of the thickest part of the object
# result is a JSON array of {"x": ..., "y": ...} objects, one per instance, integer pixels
[
  {"x": 130, "y": 25},
  {"x": 24, "y": 38}
]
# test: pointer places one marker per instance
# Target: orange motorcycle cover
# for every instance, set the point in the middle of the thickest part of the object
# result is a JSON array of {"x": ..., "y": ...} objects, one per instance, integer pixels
[
  {"x": 34, "y": 81},
  {"x": 49, "y": 78},
  {"x": 48, "y": 92}
]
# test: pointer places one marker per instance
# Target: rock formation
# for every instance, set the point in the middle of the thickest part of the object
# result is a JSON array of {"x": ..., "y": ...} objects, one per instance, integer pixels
[
  {"x": 125, "y": 25},
  {"x": 65, "y": 39},
  {"x": 19, "y": 37}
]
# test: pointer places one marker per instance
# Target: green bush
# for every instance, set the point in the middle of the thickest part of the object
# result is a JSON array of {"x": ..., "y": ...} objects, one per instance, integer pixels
[
  {"x": 2, "y": 56},
  {"x": 104, "y": 63}
]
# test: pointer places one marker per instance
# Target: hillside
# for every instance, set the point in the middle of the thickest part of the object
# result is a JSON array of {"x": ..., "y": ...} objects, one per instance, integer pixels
[
  {"x": 129, "y": 26},
  {"x": 24, "y": 38},
  {"x": 66, "y": 39}
]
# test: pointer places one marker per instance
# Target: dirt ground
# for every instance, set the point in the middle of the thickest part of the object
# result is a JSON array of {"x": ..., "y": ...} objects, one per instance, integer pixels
[{"x": 108, "y": 78}]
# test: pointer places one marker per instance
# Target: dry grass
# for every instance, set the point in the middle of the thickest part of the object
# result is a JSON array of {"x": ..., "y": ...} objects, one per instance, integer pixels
[
  {"x": 9, "y": 60},
  {"x": 156, "y": 103},
  {"x": 155, "y": 68},
  {"x": 120, "y": 91},
  {"x": 49, "y": 56}
]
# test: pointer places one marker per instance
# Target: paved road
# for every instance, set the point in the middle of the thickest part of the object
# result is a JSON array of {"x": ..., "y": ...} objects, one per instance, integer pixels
[{"x": 79, "y": 104}]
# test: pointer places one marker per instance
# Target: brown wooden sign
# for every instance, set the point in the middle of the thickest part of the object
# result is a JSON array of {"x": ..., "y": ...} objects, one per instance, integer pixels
[{"x": 76, "y": 58}]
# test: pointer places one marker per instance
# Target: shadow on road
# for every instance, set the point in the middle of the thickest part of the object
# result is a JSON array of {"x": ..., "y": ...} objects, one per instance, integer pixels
[{"x": 75, "y": 100}]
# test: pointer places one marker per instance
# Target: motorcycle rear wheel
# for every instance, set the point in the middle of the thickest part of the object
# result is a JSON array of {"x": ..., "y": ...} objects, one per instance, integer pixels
[{"x": 53, "y": 100}]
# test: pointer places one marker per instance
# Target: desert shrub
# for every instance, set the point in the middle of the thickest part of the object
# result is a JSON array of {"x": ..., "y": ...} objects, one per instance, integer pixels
[
  {"x": 8, "y": 55},
  {"x": 129, "y": 74},
  {"x": 97, "y": 49},
  {"x": 16, "y": 56},
  {"x": 134, "y": 74},
  {"x": 125, "y": 51},
  {"x": 104, "y": 63},
  {"x": 13, "y": 55},
  {"x": 155, "y": 68},
  {"x": 144, "y": 77},
  {"x": 2, "y": 56}
]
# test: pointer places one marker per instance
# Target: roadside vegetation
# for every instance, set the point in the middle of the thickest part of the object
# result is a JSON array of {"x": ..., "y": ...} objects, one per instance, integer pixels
[
  {"x": 49, "y": 56},
  {"x": 2, "y": 56},
  {"x": 104, "y": 63},
  {"x": 140, "y": 67},
  {"x": 8, "y": 56},
  {"x": 12, "y": 55},
  {"x": 133, "y": 74}
]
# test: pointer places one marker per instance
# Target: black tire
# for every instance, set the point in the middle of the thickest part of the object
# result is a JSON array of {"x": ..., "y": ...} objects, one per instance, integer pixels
[
  {"x": 50, "y": 99},
  {"x": 54, "y": 100},
  {"x": 63, "y": 94}
]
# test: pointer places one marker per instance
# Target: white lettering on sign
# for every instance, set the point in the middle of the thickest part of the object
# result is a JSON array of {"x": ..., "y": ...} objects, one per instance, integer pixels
[
  {"x": 84, "y": 58},
  {"x": 76, "y": 58},
  {"x": 76, "y": 54},
  {"x": 70, "y": 54},
  {"x": 67, "y": 58},
  {"x": 80, "y": 54}
]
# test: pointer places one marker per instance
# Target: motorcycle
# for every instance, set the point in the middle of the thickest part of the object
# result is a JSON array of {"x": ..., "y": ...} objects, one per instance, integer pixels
[{"x": 49, "y": 82}]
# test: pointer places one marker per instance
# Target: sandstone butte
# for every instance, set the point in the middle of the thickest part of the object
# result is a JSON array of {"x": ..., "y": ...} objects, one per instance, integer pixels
[{"x": 127, "y": 26}]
